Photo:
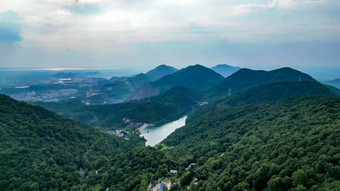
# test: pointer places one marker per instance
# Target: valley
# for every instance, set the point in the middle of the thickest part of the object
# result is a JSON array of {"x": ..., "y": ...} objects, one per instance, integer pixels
[
  {"x": 275, "y": 130},
  {"x": 169, "y": 95}
]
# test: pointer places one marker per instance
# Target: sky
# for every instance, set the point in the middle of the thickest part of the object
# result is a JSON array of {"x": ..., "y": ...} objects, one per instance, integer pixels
[{"x": 145, "y": 33}]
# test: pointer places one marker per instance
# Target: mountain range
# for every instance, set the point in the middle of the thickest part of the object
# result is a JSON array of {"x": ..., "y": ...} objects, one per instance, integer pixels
[
  {"x": 176, "y": 102},
  {"x": 275, "y": 130},
  {"x": 246, "y": 78},
  {"x": 152, "y": 75},
  {"x": 290, "y": 144},
  {"x": 197, "y": 77},
  {"x": 264, "y": 94}
]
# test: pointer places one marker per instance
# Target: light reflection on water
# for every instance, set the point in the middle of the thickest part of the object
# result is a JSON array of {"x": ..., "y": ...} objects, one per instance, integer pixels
[{"x": 158, "y": 134}]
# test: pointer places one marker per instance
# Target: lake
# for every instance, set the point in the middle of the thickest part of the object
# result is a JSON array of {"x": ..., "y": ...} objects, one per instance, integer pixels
[{"x": 158, "y": 134}]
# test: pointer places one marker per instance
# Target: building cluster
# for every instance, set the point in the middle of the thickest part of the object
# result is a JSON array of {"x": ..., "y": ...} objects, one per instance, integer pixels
[
  {"x": 140, "y": 127},
  {"x": 118, "y": 133}
]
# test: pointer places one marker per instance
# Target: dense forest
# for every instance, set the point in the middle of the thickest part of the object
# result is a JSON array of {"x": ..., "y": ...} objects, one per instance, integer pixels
[
  {"x": 63, "y": 107},
  {"x": 254, "y": 140},
  {"x": 289, "y": 145},
  {"x": 264, "y": 94},
  {"x": 40, "y": 150},
  {"x": 157, "y": 110}
]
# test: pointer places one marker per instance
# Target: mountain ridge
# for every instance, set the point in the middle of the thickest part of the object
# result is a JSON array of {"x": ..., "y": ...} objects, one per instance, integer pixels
[
  {"x": 196, "y": 76},
  {"x": 247, "y": 78},
  {"x": 266, "y": 93}
]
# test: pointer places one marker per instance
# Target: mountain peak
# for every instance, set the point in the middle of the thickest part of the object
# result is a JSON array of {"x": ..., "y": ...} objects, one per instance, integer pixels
[
  {"x": 224, "y": 66},
  {"x": 195, "y": 76},
  {"x": 247, "y": 78},
  {"x": 285, "y": 69},
  {"x": 160, "y": 71},
  {"x": 163, "y": 66},
  {"x": 225, "y": 70}
]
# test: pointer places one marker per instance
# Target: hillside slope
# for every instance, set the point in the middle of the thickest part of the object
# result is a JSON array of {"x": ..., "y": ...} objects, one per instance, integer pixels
[
  {"x": 157, "y": 110},
  {"x": 196, "y": 77},
  {"x": 289, "y": 145},
  {"x": 160, "y": 71},
  {"x": 264, "y": 94},
  {"x": 40, "y": 150},
  {"x": 152, "y": 75},
  {"x": 246, "y": 78}
]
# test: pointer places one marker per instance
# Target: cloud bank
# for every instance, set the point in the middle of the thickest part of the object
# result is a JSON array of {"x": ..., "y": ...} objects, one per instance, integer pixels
[{"x": 114, "y": 33}]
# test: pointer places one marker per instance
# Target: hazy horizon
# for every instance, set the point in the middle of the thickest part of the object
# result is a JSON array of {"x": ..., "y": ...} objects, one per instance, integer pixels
[{"x": 318, "y": 72}]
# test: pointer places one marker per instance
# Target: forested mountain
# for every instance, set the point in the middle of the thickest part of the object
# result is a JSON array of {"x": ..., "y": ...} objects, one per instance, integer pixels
[
  {"x": 160, "y": 71},
  {"x": 62, "y": 108},
  {"x": 137, "y": 80},
  {"x": 246, "y": 78},
  {"x": 40, "y": 150},
  {"x": 225, "y": 70},
  {"x": 255, "y": 139},
  {"x": 197, "y": 77},
  {"x": 152, "y": 75},
  {"x": 157, "y": 110},
  {"x": 289, "y": 145},
  {"x": 136, "y": 169},
  {"x": 264, "y": 94},
  {"x": 126, "y": 85}
]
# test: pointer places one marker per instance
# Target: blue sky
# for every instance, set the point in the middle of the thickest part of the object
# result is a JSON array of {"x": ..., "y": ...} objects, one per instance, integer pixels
[{"x": 142, "y": 34}]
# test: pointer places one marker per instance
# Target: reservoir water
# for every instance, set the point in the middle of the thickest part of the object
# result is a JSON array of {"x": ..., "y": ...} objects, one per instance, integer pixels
[{"x": 158, "y": 134}]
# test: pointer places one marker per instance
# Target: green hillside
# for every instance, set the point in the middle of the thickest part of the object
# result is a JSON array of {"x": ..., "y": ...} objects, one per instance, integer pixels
[
  {"x": 197, "y": 77},
  {"x": 292, "y": 144},
  {"x": 158, "y": 110},
  {"x": 160, "y": 71},
  {"x": 40, "y": 150},
  {"x": 264, "y": 94},
  {"x": 245, "y": 79},
  {"x": 61, "y": 107},
  {"x": 152, "y": 75},
  {"x": 289, "y": 145}
]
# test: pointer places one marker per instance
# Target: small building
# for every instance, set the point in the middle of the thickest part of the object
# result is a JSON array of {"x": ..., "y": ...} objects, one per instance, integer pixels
[
  {"x": 173, "y": 172},
  {"x": 159, "y": 187}
]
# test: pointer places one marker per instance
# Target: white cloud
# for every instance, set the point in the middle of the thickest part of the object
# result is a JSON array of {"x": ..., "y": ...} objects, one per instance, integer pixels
[
  {"x": 274, "y": 4},
  {"x": 121, "y": 24}
]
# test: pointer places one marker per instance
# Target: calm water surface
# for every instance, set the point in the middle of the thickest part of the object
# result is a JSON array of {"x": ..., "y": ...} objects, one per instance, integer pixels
[{"x": 158, "y": 134}]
